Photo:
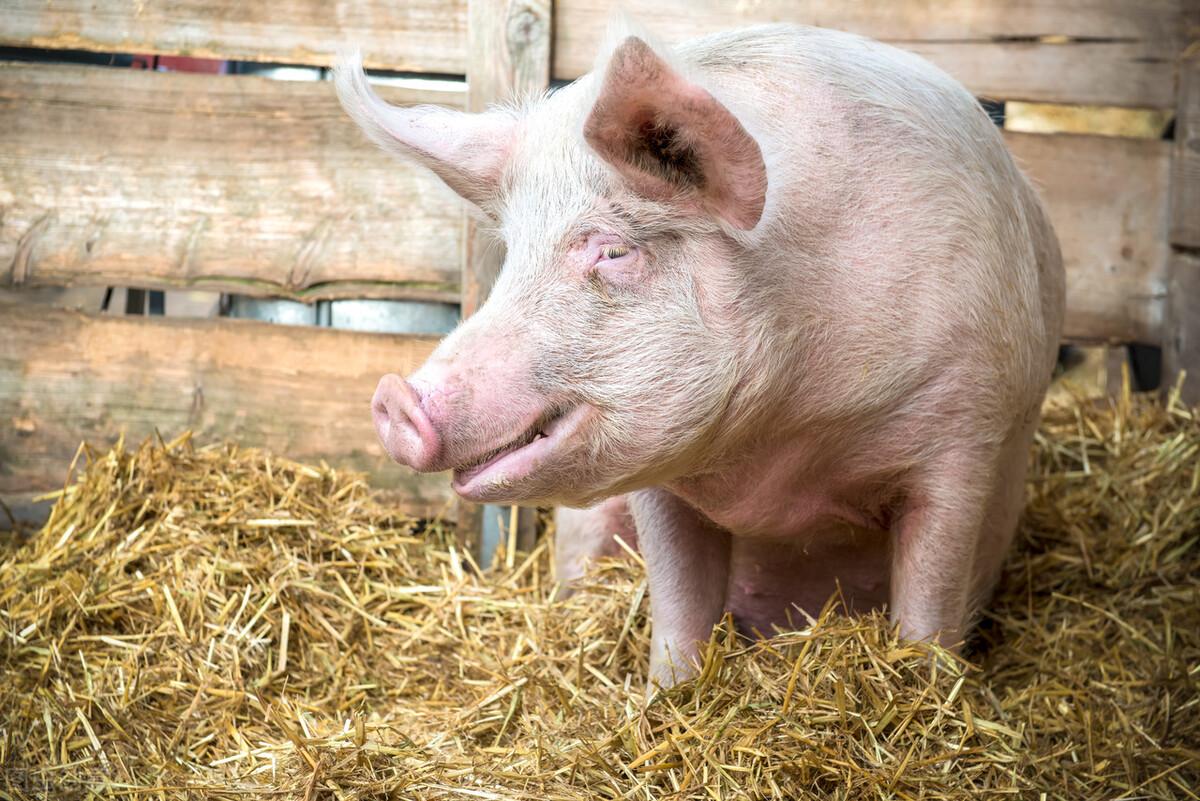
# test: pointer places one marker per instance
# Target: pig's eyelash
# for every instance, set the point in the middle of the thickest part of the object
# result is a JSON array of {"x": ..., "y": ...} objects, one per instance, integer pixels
[{"x": 615, "y": 251}]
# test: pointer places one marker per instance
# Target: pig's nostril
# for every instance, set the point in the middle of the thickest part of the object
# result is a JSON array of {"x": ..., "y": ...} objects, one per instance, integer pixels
[
  {"x": 404, "y": 429},
  {"x": 383, "y": 420}
]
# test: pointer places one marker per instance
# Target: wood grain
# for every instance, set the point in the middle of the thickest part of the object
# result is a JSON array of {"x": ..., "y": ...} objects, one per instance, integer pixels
[
  {"x": 1103, "y": 52},
  {"x": 417, "y": 35},
  {"x": 1181, "y": 343},
  {"x": 1185, "y": 162},
  {"x": 302, "y": 392},
  {"x": 509, "y": 57},
  {"x": 1181, "y": 335},
  {"x": 232, "y": 183},
  {"x": 1118, "y": 52},
  {"x": 1107, "y": 200}
]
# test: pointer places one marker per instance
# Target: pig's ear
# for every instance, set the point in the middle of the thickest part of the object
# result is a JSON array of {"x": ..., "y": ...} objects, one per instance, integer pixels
[
  {"x": 467, "y": 151},
  {"x": 672, "y": 140}
]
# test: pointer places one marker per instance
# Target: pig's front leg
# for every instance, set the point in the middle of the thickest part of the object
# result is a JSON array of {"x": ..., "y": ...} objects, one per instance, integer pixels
[
  {"x": 933, "y": 557},
  {"x": 687, "y": 565}
]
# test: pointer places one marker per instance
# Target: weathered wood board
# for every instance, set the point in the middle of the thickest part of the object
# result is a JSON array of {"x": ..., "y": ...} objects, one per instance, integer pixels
[
  {"x": 1181, "y": 345},
  {"x": 303, "y": 392},
  {"x": 264, "y": 187},
  {"x": 1181, "y": 335},
  {"x": 1118, "y": 52},
  {"x": 1107, "y": 200},
  {"x": 1102, "y": 52},
  {"x": 233, "y": 183},
  {"x": 1185, "y": 164},
  {"x": 417, "y": 35},
  {"x": 509, "y": 57}
]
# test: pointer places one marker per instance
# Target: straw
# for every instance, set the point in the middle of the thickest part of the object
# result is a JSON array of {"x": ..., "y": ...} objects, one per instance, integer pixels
[{"x": 219, "y": 622}]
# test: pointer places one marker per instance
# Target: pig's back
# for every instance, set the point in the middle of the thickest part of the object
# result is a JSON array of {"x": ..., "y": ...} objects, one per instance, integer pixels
[{"x": 934, "y": 248}]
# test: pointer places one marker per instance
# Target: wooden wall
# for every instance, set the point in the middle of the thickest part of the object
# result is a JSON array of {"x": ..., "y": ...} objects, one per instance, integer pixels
[
  {"x": 233, "y": 183},
  {"x": 67, "y": 376},
  {"x": 259, "y": 187}
]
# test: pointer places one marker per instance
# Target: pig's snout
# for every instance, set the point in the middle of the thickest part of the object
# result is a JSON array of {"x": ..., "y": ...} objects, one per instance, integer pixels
[{"x": 403, "y": 427}]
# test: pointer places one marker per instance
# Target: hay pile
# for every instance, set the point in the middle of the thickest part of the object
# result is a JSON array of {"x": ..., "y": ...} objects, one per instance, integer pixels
[{"x": 221, "y": 623}]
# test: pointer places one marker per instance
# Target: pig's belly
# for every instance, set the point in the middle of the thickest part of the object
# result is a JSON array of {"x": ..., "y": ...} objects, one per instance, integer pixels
[{"x": 769, "y": 578}]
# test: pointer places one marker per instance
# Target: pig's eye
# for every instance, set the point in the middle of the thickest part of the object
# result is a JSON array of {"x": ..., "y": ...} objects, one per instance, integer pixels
[{"x": 611, "y": 258}]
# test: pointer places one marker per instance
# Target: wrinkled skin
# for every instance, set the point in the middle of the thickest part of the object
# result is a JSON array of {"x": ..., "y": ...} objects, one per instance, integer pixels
[{"x": 784, "y": 288}]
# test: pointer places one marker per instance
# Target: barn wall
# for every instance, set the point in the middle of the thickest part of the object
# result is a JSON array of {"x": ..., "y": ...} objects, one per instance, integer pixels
[{"x": 239, "y": 184}]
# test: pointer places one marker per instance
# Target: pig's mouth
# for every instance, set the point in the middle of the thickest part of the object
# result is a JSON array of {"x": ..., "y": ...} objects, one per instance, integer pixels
[{"x": 493, "y": 472}]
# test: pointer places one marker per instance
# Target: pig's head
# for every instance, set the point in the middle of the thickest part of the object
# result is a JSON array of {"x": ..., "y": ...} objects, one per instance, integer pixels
[{"x": 608, "y": 354}]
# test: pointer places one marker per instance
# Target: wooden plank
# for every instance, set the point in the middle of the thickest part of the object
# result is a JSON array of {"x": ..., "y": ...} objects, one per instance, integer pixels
[
  {"x": 264, "y": 188},
  {"x": 1118, "y": 52},
  {"x": 1181, "y": 335},
  {"x": 417, "y": 35},
  {"x": 1103, "y": 52},
  {"x": 231, "y": 183},
  {"x": 1181, "y": 343},
  {"x": 1107, "y": 200},
  {"x": 302, "y": 392},
  {"x": 1185, "y": 163},
  {"x": 509, "y": 47},
  {"x": 510, "y": 56}
]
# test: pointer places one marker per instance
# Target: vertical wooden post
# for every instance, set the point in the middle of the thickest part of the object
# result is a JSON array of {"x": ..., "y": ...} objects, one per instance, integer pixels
[
  {"x": 1181, "y": 339},
  {"x": 508, "y": 54}
]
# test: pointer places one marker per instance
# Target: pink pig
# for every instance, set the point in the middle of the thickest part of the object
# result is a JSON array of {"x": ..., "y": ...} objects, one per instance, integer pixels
[
  {"x": 784, "y": 287},
  {"x": 584, "y": 535}
]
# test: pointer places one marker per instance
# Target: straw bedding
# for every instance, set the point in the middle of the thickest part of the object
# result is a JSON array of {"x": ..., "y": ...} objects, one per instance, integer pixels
[{"x": 214, "y": 622}]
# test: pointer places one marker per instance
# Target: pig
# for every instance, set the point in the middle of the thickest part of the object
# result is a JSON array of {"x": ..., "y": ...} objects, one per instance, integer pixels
[
  {"x": 781, "y": 290},
  {"x": 584, "y": 535}
]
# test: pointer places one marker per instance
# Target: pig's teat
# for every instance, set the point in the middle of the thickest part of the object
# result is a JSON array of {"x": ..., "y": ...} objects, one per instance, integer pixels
[{"x": 403, "y": 427}]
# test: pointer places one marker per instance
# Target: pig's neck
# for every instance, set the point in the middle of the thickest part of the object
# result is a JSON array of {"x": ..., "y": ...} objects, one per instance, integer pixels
[{"x": 792, "y": 484}]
